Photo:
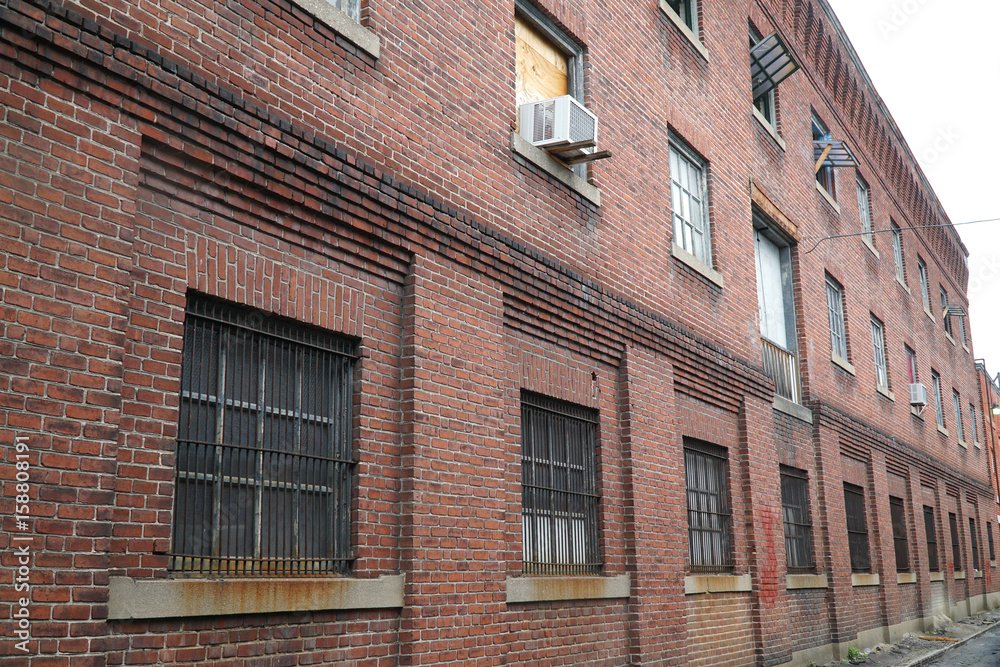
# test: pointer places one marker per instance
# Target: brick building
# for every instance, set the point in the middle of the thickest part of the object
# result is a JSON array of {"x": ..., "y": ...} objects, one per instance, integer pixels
[
  {"x": 313, "y": 359},
  {"x": 989, "y": 396}
]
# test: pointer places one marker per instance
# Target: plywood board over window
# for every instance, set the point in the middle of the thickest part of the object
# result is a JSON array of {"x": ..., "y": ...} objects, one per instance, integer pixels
[{"x": 542, "y": 69}]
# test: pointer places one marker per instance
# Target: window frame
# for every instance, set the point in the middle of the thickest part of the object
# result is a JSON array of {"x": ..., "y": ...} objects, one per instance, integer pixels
[
  {"x": 944, "y": 306},
  {"x": 959, "y": 425},
  {"x": 224, "y": 397},
  {"x": 826, "y": 176},
  {"x": 974, "y": 423},
  {"x": 956, "y": 542},
  {"x": 836, "y": 319},
  {"x": 989, "y": 538},
  {"x": 717, "y": 508},
  {"x": 865, "y": 214},
  {"x": 548, "y": 495},
  {"x": 900, "y": 542},
  {"x": 974, "y": 543},
  {"x": 570, "y": 48},
  {"x": 766, "y": 104},
  {"x": 686, "y": 12},
  {"x": 683, "y": 156},
  {"x": 925, "y": 284},
  {"x": 880, "y": 355},
  {"x": 938, "y": 399},
  {"x": 930, "y": 533},
  {"x": 797, "y": 520},
  {"x": 897, "y": 251},
  {"x": 857, "y": 528}
]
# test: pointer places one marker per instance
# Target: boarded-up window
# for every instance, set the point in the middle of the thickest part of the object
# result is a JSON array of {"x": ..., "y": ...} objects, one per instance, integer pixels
[{"x": 542, "y": 68}]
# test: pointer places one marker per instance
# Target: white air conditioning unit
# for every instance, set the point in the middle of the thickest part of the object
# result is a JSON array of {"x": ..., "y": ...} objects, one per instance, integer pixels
[
  {"x": 562, "y": 126},
  {"x": 918, "y": 394}
]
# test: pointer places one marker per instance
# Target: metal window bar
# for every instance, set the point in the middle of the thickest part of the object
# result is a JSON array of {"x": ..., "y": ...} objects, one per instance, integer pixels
[
  {"x": 899, "y": 541},
  {"x": 974, "y": 423},
  {"x": 781, "y": 366},
  {"x": 709, "y": 515},
  {"x": 835, "y": 305},
  {"x": 989, "y": 540},
  {"x": 559, "y": 481},
  {"x": 930, "y": 529},
  {"x": 956, "y": 547},
  {"x": 974, "y": 539},
  {"x": 264, "y": 460},
  {"x": 797, "y": 520},
  {"x": 857, "y": 528},
  {"x": 878, "y": 354}
]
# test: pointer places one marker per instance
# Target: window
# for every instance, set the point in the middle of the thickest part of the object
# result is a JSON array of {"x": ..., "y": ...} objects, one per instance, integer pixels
[
  {"x": 559, "y": 486},
  {"x": 957, "y": 400},
  {"x": 973, "y": 423},
  {"x": 264, "y": 452},
  {"x": 350, "y": 7},
  {"x": 956, "y": 547},
  {"x": 865, "y": 210},
  {"x": 857, "y": 528},
  {"x": 898, "y": 515},
  {"x": 835, "y": 306},
  {"x": 974, "y": 540},
  {"x": 989, "y": 539},
  {"x": 938, "y": 398},
  {"x": 925, "y": 290},
  {"x": 776, "y": 310},
  {"x": 548, "y": 63},
  {"x": 944, "y": 310},
  {"x": 961, "y": 332},
  {"x": 688, "y": 203},
  {"x": 911, "y": 364},
  {"x": 687, "y": 11},
  {"x": 765, "y": 104},
  {"x": 878, "y": 350},
  {"x": 933, "y": 563},
  {"x": 824, "y": 176},
  {"x": 798, "y": 523},
  {"x": 897, "y": 252},
  {"x": 709, "y": 517}
]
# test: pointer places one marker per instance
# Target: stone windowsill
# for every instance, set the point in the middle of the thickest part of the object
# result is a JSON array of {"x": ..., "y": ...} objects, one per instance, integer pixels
[
  {"x": 885, "y": 391},
  {"x": 865, "y": 579},
  {"x": 782, "y": 404},
  {"x": 963, "y": 444},
  {"x": 843, "y": 363},
  {"x": 771, "y": 130},
  {"x": 554, "y": 168},
  {"x": 950, "y": 339},
  {"x": 977, "y": 445},
  {"x": 959, "y": 574},
  {"x": 803, "y": 581},
  {"x": 343, "y": 25},
  {"x": 917, "y": 412},
  {"x": 942, "y": 430},
  {"x": 549, "y": 589},
  {"x": 936, "y": 576},
  {"x": 871, "y": 248},
  {"x": 686, "y": 31},
  {"x": 173, "y": 598},
  {"x": 695, "y": 263},
  {"x": 977, "y": 574},
  {"x": 929, "y": 315},
  {"x": 903, "y": 285},
  {"x": 965, "y": 347},
  {"x": 906, "y": 578},
  {"x": 826, "y": 195},
  {"x": 695, "y": 584},
  {"x": 993, "y": 563}
]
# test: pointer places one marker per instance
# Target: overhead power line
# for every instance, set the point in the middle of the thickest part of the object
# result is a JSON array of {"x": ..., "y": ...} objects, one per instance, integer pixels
[{"x": 883, "y": 231}]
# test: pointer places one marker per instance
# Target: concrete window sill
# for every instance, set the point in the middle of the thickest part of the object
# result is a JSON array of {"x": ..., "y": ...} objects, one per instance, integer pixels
[
  {"x": 977, "y": 574},
  {"x": 871, "y": 248},
  {"x": 936, "y": 576},
  {"x": 977, "y": 445},
  {"x": 950, "y": 339},
  {"x": 176, "y": 598},
  {"x": 343, "y": 25},
  {"x": 963, "y": 444},
  {"x": 942, "y": 430},
  {"x": 695, "y": 263},
  {"x": 826, "y": 195},
  {"x": 795, "y": 582},
  {"x": 959, "y": 574},
  {"x": 903, "y": 285},
  {"x": 696, "y": 584},
  {"x": 885, "y": 392},
  {"x": 782, "y": 404},
  {"x": 548, "y": 589},
  {"x": 906, "y": 578},
  {"x": 554, "y": 168},
  {"x": 843, "y": 363},
  {"x": 929, "y": 315},
  {"x": 768, "y": 127},
  {"x": 859, "y": 579},
  {"x": 686, "y": 31}
]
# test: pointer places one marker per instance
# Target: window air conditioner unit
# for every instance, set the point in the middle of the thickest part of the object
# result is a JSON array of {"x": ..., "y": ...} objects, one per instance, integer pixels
[
  {"x": 562, "y": 126},
  {"x": 918, "y": 394}
]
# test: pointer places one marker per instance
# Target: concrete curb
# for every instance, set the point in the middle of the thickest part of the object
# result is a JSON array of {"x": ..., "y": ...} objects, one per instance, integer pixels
[{"x": 933, "y": 655}]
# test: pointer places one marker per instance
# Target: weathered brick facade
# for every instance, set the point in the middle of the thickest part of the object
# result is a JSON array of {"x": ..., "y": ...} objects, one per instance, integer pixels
[{"x": 363, "y": 180}]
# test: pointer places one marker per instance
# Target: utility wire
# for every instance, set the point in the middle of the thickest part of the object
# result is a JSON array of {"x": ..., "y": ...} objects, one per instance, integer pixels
[{"x": 883, "y": 231}]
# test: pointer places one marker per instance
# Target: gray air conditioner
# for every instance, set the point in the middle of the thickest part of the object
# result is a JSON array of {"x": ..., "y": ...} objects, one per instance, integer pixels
[
  {"x": 563, "y": 127},
  {"x": 918, "y": 394}
]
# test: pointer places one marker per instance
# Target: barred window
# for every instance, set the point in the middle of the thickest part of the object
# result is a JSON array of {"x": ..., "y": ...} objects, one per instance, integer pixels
[
  {"x": 930, "y": 528},
  {"x": 264, "y": 454},
  {"x": 897, "y": 252},
  {"x": 857, "y": 528},
  {"x": 989, "y": 539},
  {"x": 956, "y": 399},
  {"x": 956, "y": 546},
  {"x": 974, "y": 538},
  {"x": 925, "y": 290},
  {"x": 938, "y": 398},
  {"x": 973, "y": 423},
  {"x": 902, "y": 548},
  {"x": 798, "y": 522},
  {"x": 709, "y": 516},
  {"x": 559, "y": 480},
  {"x": 865, "y": 209},
  {"x": 835, "y": 308}
]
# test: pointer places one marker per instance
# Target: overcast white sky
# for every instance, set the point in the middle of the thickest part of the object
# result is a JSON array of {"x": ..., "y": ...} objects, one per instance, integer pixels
[{"x": 936, "y": 64}]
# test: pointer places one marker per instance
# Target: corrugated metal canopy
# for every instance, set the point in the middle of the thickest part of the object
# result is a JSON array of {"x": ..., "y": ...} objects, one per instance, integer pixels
[{"x": 770, "y": 64}]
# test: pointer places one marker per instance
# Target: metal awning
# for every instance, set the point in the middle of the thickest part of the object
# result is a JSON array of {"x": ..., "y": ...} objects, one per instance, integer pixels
[
  {"x": 770, "y": 64},
  {"x": 829, "y": 153},
  {"x": 954, "y": 311}
]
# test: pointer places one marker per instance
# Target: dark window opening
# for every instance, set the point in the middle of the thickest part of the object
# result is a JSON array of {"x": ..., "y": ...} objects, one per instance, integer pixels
[
  {"x": 902, "y": 548},
  {"x": 933, "y": 562},
  {"x": 956, "y": 547},
  {"x": 857, "y": 528},
  {"x": 797, "y": 520},
  {"x": 709, "y": 516}
]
